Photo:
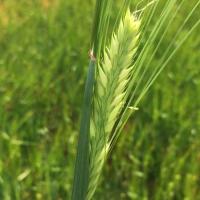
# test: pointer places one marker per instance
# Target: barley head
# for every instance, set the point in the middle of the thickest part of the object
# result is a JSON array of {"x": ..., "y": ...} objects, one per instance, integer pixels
[{"x": 110, "y": 92}]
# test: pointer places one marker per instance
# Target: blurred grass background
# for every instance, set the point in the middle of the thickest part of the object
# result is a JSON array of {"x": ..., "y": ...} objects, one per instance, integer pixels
[{"x": 43, "y": 63}]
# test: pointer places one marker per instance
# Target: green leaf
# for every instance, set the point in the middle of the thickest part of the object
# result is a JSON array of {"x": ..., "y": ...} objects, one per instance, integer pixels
[{"x": 82, "y": 160}]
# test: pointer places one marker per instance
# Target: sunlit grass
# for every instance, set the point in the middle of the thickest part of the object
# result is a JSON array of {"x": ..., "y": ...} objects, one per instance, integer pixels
[{"x": 42, "y": 72}]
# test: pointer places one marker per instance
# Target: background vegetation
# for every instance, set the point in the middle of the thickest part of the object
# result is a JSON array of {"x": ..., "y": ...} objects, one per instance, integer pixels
[{"x": 43, "y": 62}]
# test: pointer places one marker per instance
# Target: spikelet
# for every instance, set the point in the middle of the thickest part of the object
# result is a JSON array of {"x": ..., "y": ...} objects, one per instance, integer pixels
[{"x": 113, "y": 75}]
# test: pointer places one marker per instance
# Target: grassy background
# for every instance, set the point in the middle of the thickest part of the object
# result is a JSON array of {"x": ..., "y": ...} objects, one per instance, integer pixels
[{"x": 43, "y": 62}]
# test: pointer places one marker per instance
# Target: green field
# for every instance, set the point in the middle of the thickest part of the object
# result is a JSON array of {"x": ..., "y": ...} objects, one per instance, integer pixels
[{"x": 44, "y": 48}]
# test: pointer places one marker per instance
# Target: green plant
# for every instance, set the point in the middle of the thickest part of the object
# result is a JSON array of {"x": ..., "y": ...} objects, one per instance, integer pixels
[
  {"x": 113, "y": 75},
  {"x": 119, "y": 71}
]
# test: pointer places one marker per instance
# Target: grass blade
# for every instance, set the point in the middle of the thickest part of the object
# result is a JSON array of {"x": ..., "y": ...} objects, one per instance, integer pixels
[{"x": 82, "y": 160}]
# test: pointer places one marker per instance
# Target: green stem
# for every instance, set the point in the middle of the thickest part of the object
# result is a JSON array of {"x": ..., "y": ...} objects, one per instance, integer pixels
[{"x": 81, "y": 172}]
